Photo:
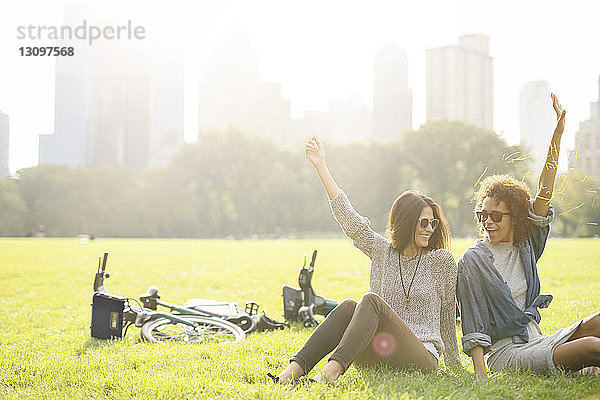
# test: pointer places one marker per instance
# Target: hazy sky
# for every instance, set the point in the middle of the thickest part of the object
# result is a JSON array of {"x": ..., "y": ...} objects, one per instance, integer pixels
[{"x": 320, "y": 50}]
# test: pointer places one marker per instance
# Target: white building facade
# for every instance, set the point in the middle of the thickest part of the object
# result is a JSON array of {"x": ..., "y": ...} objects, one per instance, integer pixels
[
  {"x": 460, "y": 82},
  {"x": 392, "y": 98},
  {"x": 586, "y": 155}
]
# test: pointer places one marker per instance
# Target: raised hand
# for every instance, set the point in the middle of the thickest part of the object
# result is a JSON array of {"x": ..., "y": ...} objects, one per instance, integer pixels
[
  {"x": 541, "y": 203},
  {"x": 314, "y": 151},
  {"x": 560, "y": 114}
]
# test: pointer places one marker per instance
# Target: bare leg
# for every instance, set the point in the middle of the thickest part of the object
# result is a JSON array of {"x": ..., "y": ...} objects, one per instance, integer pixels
[
  {"x": 590, "y": 327},
  {"x": 582, "y": 349},
  {"x": 577, "y": 354}
]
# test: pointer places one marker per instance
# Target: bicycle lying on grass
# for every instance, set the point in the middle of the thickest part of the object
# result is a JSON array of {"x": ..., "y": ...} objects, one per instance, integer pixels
[{"x": 199, "y": 322}]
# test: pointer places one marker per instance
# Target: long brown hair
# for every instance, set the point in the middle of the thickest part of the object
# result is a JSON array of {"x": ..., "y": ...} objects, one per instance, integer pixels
[{"x": 403, "y": 218}]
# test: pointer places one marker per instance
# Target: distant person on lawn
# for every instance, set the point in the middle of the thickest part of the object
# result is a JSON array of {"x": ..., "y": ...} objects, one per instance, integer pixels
[
  {"x": 408, "y": 317},
  {"x": 498, "y": 283}
]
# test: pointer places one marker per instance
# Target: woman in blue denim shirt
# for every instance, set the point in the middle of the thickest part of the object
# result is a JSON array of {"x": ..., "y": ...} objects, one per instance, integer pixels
[{"x": 498, "y": 284}]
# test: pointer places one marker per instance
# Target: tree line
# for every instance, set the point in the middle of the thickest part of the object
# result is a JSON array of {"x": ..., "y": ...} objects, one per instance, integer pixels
[{"x": 229, "y": 184}]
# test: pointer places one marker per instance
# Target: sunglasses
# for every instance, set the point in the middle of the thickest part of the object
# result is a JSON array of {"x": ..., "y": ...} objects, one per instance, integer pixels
[
  {"x": 496, "y": 216},
  {"x": 434, "y": 222}
]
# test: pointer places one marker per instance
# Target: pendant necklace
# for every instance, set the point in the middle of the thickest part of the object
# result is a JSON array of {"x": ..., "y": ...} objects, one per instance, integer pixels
[{"x": 407, "y": 294}]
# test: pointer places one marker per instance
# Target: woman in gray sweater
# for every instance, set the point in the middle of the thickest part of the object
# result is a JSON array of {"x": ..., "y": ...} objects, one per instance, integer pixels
[{"x": 407, "y": 319}]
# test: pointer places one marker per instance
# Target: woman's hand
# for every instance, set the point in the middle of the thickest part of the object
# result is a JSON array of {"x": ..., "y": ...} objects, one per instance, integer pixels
[
  {"x": 481, "y": 375},
  {"x": 560, "y": 114},
  {"x": 314, "y": 151}
]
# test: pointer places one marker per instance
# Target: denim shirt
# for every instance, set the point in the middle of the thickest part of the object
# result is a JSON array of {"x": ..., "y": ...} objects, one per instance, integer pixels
[{"x": 488, "y": 310}]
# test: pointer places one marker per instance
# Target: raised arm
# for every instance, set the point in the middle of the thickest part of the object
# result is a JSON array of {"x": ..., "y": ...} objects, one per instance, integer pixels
[
  {"x": 541, "y": 204},
  {"x": 315, "y": 153},
  {"x": 355, "y": 226}
]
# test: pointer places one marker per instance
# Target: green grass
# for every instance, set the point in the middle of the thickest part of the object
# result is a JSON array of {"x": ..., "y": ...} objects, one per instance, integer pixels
[{"x": 46, "y": 350}]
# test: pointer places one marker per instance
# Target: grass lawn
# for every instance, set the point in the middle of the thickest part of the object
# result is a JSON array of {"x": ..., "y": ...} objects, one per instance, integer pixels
[{"x": 46, "y": 350}]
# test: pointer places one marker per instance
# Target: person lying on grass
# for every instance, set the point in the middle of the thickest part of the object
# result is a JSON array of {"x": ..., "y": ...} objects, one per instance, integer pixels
[
  {"x": 498, "y": 283},
  {"x": 407, "y": 319}
]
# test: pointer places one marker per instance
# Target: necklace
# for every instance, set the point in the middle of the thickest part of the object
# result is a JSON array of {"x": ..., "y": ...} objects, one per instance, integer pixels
[{"x": 407, "y": 294}]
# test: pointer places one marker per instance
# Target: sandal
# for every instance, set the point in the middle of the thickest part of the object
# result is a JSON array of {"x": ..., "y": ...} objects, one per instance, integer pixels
[
  {"x": 274, "y": 377},
  {"x": 304, "y": 378}
]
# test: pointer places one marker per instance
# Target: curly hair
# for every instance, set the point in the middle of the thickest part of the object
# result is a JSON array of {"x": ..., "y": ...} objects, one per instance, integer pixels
[
  {"x": 403, "y": 217},
  {"x": 515, "y": 195}
]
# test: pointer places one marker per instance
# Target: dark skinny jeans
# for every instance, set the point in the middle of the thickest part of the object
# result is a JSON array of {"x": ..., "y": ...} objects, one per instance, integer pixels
[{"x": 367, "y": 333}]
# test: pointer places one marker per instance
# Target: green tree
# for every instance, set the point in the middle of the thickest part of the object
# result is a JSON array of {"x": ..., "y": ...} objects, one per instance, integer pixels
[
  {"x": 12, "y": 209},
  {"x": 244, "y": 185},
  {"x": 229, "y": 183},
  {"x": 577, "y": 205},
  {"x": 450, "y": 158},
  {"x": 69, "y": 201}
]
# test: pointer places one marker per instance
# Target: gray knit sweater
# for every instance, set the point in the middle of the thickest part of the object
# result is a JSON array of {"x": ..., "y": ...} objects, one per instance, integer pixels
[{"x": 431, "y": 312}]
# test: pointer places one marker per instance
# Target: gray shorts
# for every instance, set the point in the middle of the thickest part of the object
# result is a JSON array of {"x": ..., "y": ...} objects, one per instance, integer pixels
[{"x": 535, "y": 355}]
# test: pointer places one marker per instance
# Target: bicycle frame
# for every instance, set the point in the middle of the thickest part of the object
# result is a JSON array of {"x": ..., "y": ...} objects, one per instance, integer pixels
[
  {"x": 133, "y": 316},
  {"x": 151, "y": 299}
]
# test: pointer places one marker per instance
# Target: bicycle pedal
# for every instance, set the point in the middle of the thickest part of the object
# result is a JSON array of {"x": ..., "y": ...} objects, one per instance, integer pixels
[{"x": 251, "y": 307}]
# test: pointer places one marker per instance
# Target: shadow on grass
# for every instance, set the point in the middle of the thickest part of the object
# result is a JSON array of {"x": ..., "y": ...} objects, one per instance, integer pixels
[{"x": 92, "y": 344}]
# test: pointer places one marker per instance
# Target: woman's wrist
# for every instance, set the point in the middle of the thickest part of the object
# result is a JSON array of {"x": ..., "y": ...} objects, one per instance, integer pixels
[{"x": 320, "y": 164}]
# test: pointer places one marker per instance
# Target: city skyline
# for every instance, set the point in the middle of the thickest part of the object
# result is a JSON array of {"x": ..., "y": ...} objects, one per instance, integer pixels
[
  {"x": 586, "y": 154},
  {"x": 116, "y": 104},
  {"x": 315, "y": 63}
]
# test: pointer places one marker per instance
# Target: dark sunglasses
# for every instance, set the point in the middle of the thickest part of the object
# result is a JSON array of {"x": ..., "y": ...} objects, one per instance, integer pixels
[
  {"x": 434, "y": 222},
  {"x": 482, "y": 216}
]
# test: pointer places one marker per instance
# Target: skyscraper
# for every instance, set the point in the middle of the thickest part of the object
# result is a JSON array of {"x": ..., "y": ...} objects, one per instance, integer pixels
[
  {"x": 166, "y": 105},
  {"x": 392, "y": 98},
  {"x": 231, "y": 95},
  {"x": 537, "y": 120},
  {"x": 4, "y": 138},
  {"x": 69, "y": 143},
  {"x": 118, "y": 103},
  {"x": 586, "y": 155},
  {"x": 460, "y": 81}
]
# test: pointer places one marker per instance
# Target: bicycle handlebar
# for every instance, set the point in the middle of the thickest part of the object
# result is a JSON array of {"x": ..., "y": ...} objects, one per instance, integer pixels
[
  {"x": 104, "y": 259},
  {"x": 312, "y": 262}
]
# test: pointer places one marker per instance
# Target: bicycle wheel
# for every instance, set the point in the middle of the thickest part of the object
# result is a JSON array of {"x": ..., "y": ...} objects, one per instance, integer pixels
[{"x": 207, "y": 330}]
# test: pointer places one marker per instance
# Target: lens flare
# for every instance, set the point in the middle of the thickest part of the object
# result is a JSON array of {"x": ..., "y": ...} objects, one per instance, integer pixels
[{"x": 384, "y": 344}]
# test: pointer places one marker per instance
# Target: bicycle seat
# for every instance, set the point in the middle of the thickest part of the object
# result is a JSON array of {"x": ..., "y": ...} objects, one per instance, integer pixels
[
  {"x": 150, "y": 298},
  {"x": 151, "y": 292}
]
